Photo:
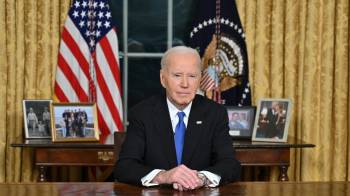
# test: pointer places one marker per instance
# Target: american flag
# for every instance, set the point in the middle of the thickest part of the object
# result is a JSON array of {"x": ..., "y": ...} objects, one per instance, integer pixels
[
  {"x": 209, "y": 79},
  {"x": 88, "y": 66}
]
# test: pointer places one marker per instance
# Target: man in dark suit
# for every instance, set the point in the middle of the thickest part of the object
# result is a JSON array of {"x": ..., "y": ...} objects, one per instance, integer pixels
[{"x": 155, "y": 152}]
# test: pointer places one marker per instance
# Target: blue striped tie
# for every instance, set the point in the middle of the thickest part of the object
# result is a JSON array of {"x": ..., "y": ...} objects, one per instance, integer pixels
[{"x": 179, "y": 136}]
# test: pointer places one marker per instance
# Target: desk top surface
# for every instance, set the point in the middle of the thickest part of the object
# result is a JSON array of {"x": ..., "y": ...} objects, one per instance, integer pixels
[
  {"x": 235, "y": 189},
  {"x": 111, "y": 140}
]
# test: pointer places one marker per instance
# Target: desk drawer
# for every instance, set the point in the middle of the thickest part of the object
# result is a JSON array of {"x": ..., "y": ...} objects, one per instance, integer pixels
[
  {"x": 267, "y": 157},
  {"x": 78, "y": 157}
]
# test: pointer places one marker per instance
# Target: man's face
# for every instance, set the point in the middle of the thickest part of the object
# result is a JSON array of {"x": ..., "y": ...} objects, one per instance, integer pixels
[
  {"x": 235, "y": 117},
  {"x": 181, "y": 78}
]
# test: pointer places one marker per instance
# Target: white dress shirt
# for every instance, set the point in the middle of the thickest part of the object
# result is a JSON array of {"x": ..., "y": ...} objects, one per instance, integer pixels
[{"x": 214, "y": 179}]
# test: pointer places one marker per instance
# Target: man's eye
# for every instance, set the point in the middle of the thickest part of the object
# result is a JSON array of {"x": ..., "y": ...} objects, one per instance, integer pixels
[{"x": 177, "y": 75}]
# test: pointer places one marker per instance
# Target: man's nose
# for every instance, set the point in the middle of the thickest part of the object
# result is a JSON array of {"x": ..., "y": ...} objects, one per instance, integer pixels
[{"x": 184, "y": 82}]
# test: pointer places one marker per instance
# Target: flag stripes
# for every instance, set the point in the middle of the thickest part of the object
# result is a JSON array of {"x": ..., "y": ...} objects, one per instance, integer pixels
[{"x": 88, "y": 65}]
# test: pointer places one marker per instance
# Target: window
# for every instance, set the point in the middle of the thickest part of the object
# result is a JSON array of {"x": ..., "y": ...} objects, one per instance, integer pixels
[{"x": 149, "y": 28}]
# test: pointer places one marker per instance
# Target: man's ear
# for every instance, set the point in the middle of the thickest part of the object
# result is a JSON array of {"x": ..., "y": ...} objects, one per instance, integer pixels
[{"x": 161, "y": 76}]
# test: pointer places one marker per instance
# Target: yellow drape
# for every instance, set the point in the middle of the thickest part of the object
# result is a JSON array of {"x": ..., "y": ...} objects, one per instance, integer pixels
[
  {"x": 29, "y": 40},
  {"x": 298, "y": 49}
]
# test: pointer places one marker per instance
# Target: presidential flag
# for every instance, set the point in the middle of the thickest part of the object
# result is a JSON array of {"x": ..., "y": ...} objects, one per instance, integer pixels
[
  {"x": 88, "y": 66},
  {"x": 218, "y": 35}
]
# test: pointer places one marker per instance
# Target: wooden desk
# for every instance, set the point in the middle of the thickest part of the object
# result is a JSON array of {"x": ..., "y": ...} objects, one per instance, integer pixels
[
  {"x": 267, "y": 154},
  {"x": 106, "y": 153},
  {"x": 235, "y": 189},
  {"x": 102, "y": 154}
]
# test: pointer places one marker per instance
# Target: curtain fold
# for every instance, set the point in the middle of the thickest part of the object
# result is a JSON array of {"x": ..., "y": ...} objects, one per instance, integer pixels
[
  {"x": 297, "y": 49},
  {"x": 300, "y": 50},
  {"x": 29, "y": 40}
]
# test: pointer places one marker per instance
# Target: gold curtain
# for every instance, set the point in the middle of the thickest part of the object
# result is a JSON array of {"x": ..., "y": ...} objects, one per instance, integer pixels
[
  {"x": 29, "y": 40},
  {"x": 298, "y": 49}
]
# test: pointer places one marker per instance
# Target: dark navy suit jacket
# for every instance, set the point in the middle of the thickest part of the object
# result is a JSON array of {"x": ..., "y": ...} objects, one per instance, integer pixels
[{"x": 149, "y": 142}]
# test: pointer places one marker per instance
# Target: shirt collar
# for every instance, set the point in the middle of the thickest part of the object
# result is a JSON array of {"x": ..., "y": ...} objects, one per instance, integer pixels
[{"x": 173, "y": 110}]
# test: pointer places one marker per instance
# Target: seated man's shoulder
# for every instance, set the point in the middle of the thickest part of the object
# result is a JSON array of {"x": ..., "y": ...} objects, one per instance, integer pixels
[{"x": 146, "y": 105}]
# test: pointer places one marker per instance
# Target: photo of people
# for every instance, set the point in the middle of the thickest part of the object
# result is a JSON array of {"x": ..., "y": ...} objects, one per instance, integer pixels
[
  {"x": 272, "y": 120},
  {"x": 74, "y": 121},
  {"x": 37, "y": 118},
  {"x": 241, "y": 120}
]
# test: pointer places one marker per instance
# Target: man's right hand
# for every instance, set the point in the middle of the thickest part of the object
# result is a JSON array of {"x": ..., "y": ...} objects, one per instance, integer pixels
[{"x": 182, "y": 175}]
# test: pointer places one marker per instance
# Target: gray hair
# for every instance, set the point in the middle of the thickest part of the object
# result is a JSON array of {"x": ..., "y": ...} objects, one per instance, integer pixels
[{"x": 179, "y": 49}]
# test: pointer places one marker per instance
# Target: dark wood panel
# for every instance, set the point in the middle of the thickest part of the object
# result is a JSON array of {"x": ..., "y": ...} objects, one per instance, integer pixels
[
  {"x": 72, "y": 156},
  {"x": 263, "y": 156}
]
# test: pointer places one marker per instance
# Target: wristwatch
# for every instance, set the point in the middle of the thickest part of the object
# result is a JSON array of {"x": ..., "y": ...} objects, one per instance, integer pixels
[{"x": 204, "y": 179}]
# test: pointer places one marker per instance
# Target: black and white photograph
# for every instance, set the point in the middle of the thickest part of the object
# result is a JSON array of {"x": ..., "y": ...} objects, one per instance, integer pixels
[
  {"x": 241, "y": 121},
  {"x": 37, "y": 118},
  {"x": 74, "y": 122},
  {"x": 272, "y": 120}
]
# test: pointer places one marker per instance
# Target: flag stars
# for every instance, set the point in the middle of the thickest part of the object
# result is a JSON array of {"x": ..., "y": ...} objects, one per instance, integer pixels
[
  {"x": 83, "y": 14},
  {"x": 81, "y": 24},
  {"x": 210, "y": 21},
  {"x": 191, "y": 35},
  {"x": 100, "y": 15},
  {"x": 84, "y": 4},
  {"x": 200, "y": 26},
  {"x": 239, "y": 30},
  {"x": 195, "y": 30},
  {"x": 102, "y": 5},
  {"x": 227, "y": 21},
  {"x": 107, "y": 24},
  {"x": 246, "y": 90},
  {"x": 75, "y": 14},
  {"x": 77, "y": 4},
  {"x": 231, "y": 24},
  {"x": 95, "y": 5},
  {"x": 108, "y": 15},
  {"x": 99, "y": 24},
  {"x": 205, "y": 23}
]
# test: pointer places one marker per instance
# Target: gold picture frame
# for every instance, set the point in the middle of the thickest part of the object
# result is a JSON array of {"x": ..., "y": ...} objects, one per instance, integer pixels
[
  {"x": 272, "y": 120},
  {"x": 74, "y": 122}
]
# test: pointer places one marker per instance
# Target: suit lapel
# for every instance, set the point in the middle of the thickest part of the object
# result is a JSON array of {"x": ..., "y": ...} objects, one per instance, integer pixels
[
  {"x": 164, "y": 129},
  {"x": 193, "y": 131}
]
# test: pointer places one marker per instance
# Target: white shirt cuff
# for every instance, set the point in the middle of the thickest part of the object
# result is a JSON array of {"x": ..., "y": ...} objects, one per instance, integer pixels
[
  {"x": 213, "y": 178},
  {"x": 146, "y": 180}
]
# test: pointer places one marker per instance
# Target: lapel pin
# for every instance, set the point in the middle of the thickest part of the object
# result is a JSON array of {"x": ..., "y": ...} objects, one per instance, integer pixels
[{"x": 198, "y": 122}]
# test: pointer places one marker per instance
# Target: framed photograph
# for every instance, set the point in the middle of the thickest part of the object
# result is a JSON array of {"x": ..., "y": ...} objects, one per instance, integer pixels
[
  {"x": 37, "y": 119},
  {"x": 74, "y": 122},
  {"x": 272, "y": 120},
  {"x": 241, "y": 121}
]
